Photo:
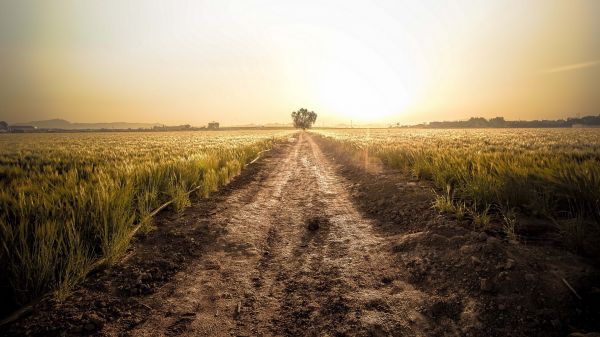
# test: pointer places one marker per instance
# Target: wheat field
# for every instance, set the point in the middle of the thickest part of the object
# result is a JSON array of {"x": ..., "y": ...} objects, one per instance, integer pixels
[
  {"x": 68, "y": 201},
  {"x": 496, "y": 174}
]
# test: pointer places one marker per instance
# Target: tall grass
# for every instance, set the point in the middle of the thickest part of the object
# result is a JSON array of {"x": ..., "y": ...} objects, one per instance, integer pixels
[
  {"x": 534, "y": 172},
  {"x": 68, "y": 200}
]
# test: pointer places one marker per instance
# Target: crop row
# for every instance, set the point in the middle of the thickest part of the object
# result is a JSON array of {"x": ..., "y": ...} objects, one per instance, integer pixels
[
  {"x": 497, "y": 174},
  {"x": 68, "y": 200}
]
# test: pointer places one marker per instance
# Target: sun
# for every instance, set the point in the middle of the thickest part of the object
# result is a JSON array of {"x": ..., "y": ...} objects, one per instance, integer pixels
[
  {"x": 353, "y": 82},
  {"x": 349, "y": 95}
]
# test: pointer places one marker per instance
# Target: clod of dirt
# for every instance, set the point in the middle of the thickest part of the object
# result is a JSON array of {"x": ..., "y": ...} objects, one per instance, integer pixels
[
  {"x": 486, "y": 285},
  {"x": 315, "y": 223}
]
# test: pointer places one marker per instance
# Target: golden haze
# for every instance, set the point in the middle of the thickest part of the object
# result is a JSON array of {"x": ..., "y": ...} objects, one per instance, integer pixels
[{"x": 254, "y": 61}]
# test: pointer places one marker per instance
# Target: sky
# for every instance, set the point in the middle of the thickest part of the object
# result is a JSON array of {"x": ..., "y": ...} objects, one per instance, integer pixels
[{"x": 241, "y": 62}]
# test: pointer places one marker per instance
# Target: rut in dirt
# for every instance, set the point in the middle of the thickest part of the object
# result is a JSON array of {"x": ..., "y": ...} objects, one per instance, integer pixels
[{"x": 297, "y": 259}]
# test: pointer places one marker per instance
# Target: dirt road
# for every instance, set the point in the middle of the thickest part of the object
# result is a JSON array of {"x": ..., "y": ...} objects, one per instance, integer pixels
[
  {"x": 310, "y": 244},
  {"x": 271, "y": 274}
]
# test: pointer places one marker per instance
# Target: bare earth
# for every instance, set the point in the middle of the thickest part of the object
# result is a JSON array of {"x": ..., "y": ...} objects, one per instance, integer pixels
[{"x": 309, "y": 244}]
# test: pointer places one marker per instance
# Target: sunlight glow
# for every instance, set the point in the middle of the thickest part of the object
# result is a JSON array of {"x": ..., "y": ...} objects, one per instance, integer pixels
[
  {"x": 253, "y": 61},
  {"x": 353, "y": 82}
]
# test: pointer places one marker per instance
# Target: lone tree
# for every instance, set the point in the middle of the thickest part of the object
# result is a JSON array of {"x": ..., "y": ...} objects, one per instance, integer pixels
[{"x": 304, "y": 119}]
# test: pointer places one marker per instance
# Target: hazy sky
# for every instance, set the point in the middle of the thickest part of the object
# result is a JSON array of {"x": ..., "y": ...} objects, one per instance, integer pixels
[{"x": 255, "y": 61}]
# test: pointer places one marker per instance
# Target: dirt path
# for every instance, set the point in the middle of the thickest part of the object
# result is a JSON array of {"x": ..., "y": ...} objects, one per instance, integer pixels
[
  {"x": 271, "y": 275},
  {"x": 309, "y": 242}
]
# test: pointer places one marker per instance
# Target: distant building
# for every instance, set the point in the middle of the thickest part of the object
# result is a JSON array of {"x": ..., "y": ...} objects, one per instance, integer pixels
[
  {"x": 3, "y": 126},
  {"x": 213, "y": 125},
  {"x": 21, "y": 128}
]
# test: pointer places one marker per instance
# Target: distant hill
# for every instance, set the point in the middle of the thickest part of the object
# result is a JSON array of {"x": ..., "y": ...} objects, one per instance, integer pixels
[{"x": 66, "y": 125}]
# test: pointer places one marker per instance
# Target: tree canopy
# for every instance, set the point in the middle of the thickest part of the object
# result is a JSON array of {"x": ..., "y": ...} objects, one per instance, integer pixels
[{"x": 304, "y": 119}]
